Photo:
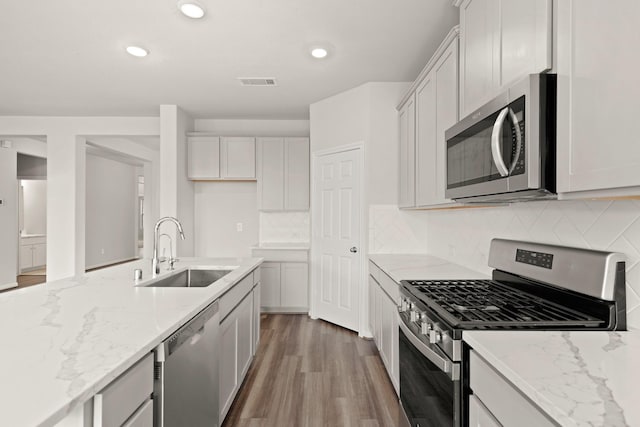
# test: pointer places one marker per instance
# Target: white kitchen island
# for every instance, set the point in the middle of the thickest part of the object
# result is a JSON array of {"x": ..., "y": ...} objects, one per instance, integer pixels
[{"x": 66, "y": 340}]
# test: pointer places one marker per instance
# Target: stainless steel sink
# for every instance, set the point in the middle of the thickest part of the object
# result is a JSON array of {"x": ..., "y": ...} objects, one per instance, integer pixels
[{"x": 190, "y": 279}]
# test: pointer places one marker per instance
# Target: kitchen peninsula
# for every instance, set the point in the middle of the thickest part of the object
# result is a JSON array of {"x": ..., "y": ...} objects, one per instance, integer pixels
[{"x": 75, "y": 336}]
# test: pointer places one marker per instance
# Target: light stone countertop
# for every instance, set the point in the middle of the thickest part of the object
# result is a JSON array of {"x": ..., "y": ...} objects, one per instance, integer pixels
[
  {"x": 66, "y": 340},
  {"x": 578, "y": 378},
  {"x": 422, "y": 267}
]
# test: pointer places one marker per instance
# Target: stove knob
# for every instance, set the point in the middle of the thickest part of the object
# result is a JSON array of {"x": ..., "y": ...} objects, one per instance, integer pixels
[
  {"x": 435, "y": 336},
  {"x": 403, "y": 305},
  {"x": 414, "y": 315},
  {"x": 425, "y": 327}
]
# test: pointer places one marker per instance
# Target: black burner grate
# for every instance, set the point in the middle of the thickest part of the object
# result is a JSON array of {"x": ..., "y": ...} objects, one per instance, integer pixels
[{"x": 487, "y": 303}]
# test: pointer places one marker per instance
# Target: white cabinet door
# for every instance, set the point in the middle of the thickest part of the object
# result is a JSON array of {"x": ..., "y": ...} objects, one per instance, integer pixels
[
  {"x": 372, "y": 305},
  {"x": 204, "y": 157},
  {"x": 500, "y": 43},
  {"x": 394, "y": 363},
  {"x": 525, "y": 39},
  {"x": 598, "y": 96},
  {"x": 228, "y": 362},
  {"x": 39, "y": 255},
  {"x": 270, "y": 280},
  {"x": 256, "y": 317},
  {"x": 26, "y": 256},
  {"x": 294, "y": 284},
  {"x": 271, "y": 174},
  {"x": 379, "y": 327},
  {"x": 478, "y": 51},
  {"x": 296, "y": 194},
  {"x": 426, "y": 172},
  {"x": 388, "y": 310},
  {"x": 238, "y": 158},
  {"x": 244, "y": 313},
  {"x": 407, "y": 118},
  {"x": 446, "y": 76},
  {"x": 479, "y": 416}
]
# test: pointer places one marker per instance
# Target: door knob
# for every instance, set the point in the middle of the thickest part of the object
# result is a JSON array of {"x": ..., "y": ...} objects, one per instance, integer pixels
[{"x": 353, "y": 250}]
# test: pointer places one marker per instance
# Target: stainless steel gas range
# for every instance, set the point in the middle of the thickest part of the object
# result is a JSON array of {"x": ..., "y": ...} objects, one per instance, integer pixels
[{"x": 533, "y": 286}]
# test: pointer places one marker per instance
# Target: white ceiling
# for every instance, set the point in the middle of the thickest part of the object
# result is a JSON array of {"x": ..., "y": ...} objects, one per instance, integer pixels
[{"x": 67, "y": 57}]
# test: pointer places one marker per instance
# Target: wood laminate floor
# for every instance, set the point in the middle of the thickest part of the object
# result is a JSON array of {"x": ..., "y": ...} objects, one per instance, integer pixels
[{"x": 312, "y": 373}]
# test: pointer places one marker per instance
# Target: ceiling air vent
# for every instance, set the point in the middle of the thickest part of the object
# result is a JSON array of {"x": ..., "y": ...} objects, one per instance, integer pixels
[{"x": 257, "y": 81}]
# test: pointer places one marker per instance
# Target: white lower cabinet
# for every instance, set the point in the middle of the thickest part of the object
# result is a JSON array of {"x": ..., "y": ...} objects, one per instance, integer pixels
[
  {"x": 479, "y": 415},
  {"x": 256, "y": 316},
  {"x": 237, "y": 340},
  {"x": 497, "y": 402},
  {"x": 245, "y": 337},
  {"x": 383, "y": 319},
  {"x": 228, "y": 362},
  {"x": 285, "y": 286},
  {"x": 127, "y": 400},
  {"x": 33, "y": 252}
]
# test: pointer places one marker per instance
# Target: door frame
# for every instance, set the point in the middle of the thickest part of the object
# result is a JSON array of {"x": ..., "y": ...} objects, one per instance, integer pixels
[{"x": 359, "y": 147}]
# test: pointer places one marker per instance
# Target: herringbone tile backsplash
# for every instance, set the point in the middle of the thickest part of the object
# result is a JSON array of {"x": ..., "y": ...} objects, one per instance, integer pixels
[{"x": 463, "y": 236}]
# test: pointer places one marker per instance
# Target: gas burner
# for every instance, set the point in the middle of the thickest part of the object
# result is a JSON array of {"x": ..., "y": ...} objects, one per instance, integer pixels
[{"x": 489, "y": 303}]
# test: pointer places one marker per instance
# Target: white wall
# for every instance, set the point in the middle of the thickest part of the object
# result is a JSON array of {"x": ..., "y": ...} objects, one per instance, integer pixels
[
  {"x": 35, "y": 206},
  {"x": 110, "y": 206},
  {"x": 66, "y": 177},
  {"x": 177, "y": 195},
  {"x": 219, "y": 207},
  {"x": 8, "y": 218},
  {"x": 30, "y": 146}
]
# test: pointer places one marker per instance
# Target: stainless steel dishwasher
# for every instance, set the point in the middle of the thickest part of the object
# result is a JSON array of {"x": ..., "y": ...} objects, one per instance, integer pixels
[{"x": 186, "y": 374}]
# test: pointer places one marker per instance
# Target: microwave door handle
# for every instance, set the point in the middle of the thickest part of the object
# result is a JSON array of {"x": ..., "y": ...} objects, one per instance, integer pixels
[
  {"x": 496, "y": 143},
  {"x": 516, "y": 125}
]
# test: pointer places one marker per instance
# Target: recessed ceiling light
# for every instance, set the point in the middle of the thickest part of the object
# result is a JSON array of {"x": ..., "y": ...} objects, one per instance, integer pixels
[
  {"x": 137, "y": 51},
  {"x": 319, "y": 52},
  {"x": 192, "y": 10}
]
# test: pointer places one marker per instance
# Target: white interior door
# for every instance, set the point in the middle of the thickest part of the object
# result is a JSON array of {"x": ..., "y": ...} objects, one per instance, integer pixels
[{"x": 337, "y": 261}]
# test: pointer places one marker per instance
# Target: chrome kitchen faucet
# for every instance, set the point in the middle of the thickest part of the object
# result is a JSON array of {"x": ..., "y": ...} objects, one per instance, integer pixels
[{"x": 155, "y": 262}]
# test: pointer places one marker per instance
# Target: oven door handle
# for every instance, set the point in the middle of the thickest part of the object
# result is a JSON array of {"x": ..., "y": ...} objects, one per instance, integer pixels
[{"x": 442, "y": 363}]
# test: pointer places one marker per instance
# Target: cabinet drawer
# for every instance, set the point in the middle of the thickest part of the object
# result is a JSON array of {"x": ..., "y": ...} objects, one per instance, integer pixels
[
  {"x": 119, "y": 400},
  {"x": 390, "y": 287},
  {"x": 501, "y": 398},
  {"x": 143, "y": 416},
  {"x": 234, "y": 295},
  {"x": 256, "y": 275},
  {"x": 374, "y": 271}
]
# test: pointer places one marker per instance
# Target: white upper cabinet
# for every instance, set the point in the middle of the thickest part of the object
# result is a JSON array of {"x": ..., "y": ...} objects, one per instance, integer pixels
[
  {"x": 296, "y": 161},
  {"x": 227, "y": 158},
  {"x": 501, "y": 41},
  {"x": 238, "y": 158},
  {"x": 425, "y": 142},
  {"x": 598, "y": 92},
  {"x": 406, "y": 169},
  {"x": 430, "y": 108},
  {"x": 478, "y": 38},
  {"x": 436, "y": 111},
  {"x": 204, "y": 157},
  {"x": 283, "y": 174}
]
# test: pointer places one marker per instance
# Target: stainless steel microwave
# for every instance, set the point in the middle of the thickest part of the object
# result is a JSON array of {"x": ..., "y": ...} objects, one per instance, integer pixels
[{"x": 506, "y": 150}]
